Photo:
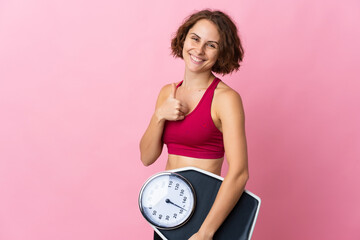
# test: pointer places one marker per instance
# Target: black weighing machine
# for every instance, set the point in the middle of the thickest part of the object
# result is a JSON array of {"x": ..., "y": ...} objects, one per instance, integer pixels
[{"x": 176, "y": 202}]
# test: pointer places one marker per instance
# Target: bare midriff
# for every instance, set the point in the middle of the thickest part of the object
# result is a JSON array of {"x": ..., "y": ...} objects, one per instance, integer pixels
[{"x": 210, "y": 165}]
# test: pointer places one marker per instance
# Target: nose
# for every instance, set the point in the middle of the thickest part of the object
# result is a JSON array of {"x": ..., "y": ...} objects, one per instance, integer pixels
[{"x": 200, "y": 49}]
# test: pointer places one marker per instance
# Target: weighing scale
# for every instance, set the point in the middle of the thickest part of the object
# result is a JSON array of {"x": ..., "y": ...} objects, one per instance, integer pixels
[{"x": 176, "y": 202}]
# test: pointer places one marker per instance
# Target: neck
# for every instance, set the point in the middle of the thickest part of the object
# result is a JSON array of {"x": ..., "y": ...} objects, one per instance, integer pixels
[{"x": 197, "y": 80}]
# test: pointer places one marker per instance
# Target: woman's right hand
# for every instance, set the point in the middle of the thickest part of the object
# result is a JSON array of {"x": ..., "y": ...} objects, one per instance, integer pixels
[{"x": 171, "y": 109}]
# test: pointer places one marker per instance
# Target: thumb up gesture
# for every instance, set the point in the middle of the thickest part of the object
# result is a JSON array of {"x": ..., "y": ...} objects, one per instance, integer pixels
[{"x": 172, "y": 109}]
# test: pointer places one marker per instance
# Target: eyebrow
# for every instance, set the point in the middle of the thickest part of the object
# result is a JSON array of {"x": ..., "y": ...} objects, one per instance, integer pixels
[{"x": 208, "y": 41}]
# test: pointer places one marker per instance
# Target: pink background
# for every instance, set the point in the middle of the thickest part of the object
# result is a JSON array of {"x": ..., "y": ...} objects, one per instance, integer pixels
[{"x": 78, "y": 84}]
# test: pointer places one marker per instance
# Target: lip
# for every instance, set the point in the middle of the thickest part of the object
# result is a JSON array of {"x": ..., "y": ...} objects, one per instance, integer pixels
[{"x": 196, "y": 60}]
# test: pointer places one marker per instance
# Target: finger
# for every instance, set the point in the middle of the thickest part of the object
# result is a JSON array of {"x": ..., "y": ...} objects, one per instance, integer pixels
[
  {"x": 177, "y": 104},
  {"x": 178, "y": 113},
  {"x": 180, "y": 117},
  {"x": 183, "y": 108},
  {"x": 173, "y": 90}
]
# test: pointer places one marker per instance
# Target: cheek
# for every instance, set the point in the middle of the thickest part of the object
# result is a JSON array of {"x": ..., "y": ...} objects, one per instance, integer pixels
[
  {"x": 186, "y": 48},
  {"x": 215, "y": 56},
  {"x": 187, "y": 45},
  {"x": 183, "y": 51}
]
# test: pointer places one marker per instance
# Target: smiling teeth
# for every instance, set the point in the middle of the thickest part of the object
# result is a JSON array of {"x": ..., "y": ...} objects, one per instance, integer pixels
[{"x": 196, "y": 59}]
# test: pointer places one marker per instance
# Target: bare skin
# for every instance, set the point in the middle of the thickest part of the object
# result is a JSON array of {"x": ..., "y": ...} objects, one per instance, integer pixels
[
  {"x": 210, "y": 165},
  {"x": 173, "y": 104}
]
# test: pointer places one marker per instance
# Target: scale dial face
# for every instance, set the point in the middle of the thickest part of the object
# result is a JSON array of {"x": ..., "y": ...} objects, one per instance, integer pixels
[{"x": 167, "y": 200}]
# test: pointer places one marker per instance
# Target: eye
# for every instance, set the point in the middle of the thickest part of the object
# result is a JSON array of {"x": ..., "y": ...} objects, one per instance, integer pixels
[
  {"x": 195, "y": 39},
  {"x": 212, "y": 45}
]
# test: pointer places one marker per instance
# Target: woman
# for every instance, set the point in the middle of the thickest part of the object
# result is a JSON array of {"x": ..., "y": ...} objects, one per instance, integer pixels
[{"x": 201, "y": 117}]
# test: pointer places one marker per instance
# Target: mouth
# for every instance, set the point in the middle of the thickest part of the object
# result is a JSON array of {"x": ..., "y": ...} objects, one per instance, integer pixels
[{"x": 196, "y": 60}]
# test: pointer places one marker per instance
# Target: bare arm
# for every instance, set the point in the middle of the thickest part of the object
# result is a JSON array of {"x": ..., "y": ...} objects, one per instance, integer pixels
[
  {"x": 167, "y": 108},
  {"x": 230, "y": 111}
]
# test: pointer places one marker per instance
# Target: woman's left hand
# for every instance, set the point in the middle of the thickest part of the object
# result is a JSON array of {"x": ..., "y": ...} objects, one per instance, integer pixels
[{"x": 199, "y": 236}]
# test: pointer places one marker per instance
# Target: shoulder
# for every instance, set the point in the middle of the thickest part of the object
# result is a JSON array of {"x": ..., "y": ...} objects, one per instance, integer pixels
[
  {"x": 226, "y": 96},
  {"x": 228, "y": 105},
  {"x": 165, "y": 90}
]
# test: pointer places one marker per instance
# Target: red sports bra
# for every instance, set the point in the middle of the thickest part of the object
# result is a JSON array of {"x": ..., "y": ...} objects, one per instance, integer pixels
[{"x": 196, "y": 135}]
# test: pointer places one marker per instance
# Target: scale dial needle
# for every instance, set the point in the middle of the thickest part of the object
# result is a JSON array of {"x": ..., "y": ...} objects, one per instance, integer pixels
[{"x": 169, "y": 201}]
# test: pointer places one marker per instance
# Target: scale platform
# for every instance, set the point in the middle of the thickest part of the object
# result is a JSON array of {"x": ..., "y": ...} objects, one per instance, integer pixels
[{"x": 240, "y": 223}]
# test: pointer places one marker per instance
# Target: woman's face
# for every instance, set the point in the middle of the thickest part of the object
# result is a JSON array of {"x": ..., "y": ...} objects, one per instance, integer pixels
[{"x": 201, "y": 46}]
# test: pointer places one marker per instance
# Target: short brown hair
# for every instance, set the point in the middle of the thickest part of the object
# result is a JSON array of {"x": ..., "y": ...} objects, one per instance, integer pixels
[{"x": 231, "y": 52}]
